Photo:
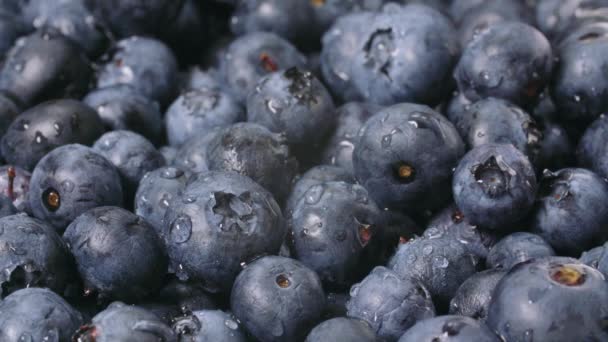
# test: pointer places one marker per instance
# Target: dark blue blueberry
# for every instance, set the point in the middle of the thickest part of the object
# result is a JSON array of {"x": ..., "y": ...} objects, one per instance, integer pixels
[
  {"x": 11, "y": 28},
  {"x": 189, "y": 32},
  {"x": 457, "y": 111},
  {"x": 199, "y": 111},
  {"x": 404, "y": 156},
  {"x": 326, "y": 12},
  {"x": 556, "y": 148},
  {"x": 449, "y": 329},
  {"x": 31, "y": 76},
  {"x": 389, "y": 303},
  {"x": 209, "y": 325},
  {"x": 494, "y": 186},
  {"x": 552, "y": 299},
  {"x": 254, "y": 151},
  {"x": 15, "y": 185},
  {"x": 331, "y": 225},
  {"x": 177, "y": 299},
  {"x": 71, "y": 180},
  {"x": 441, "y": 265},
  {"x": 118, "y": 254},
  {"x": 350, "y": 117},
  {"x": 192, "y": 155},
  {"x": 597, "y": 258},
  {"x": 509, "y": 60},
  {"x": 120, "y": 322},
  {"x": 451, "y": 223},
  {"x": 37, "y": 131},
  {"x": 516, "y": 248},
  {"x": 592, "y": 151},
  {"x": 132, "y": 154},
  {"x": 571, "y": 214},
  {"x": 378, "y": 57},
  {"x": 293, "y": 102},
  {"x": 157, "y": 191},
  {"x": 35, "y": 256},
  {"x": 36, "y": 314},
  {"x": 120, "y": 107},
  {"x": 223, "y": 220},
  {"x": 342, "y": 329},
  {"x": 554, "y": 17},
  {"x": 474, "y": 295},
  {"x": 250, "y": 57},
  {"x": 277, "y": 299},
  {"x": 146, "y": 64}
]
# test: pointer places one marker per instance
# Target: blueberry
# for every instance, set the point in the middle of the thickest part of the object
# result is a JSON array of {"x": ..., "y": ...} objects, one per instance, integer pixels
[
  {"x": 389, "y": 303},
  {"x": 32, "y": 77},
  {"x": 494, "y": 186},
  {"x": 350, "y": 118},
  {"x": 331, "y": 225},
  {"x": 556, "y": 148},
  {"x": 342, "y": 329},
  {"x": 6, "y": 207},
  {"x": 132, "y": 154},
  {"x": 378, "y": 57},
  {"x": 250, "y": 57},
  {"x": 209, "y": 325},
  {"x": 440, "y": 264},
  {"x": 169, "y": 154},
  {"x": 293, "y": 102},
  {"x": 199, "y": 111},
  {"x": 222, "y": 220},
  {"x": 11, "y": 28},
  {"x": 554, "y": 17},
  {"x": 473, "y": 297},
  {"x": 146, "y": 64},
  {"x": 591, "y": 151},
  {"x": 36, "y": 314},
  {"x": 509, "y": 60},
  {"x": 404, "y": 156},
  {"x": 118, "y": 254},
  {"x": 35, "y": 256},
  {"x": 597, "y": 258},
  {"x": 277, "y": 299},
  {"x": 457, "y": 111},
  {"x": 71, "y": 180},
  {"x": 120, "y": 322},
  {"x": 157, "y": 191},
  {"x": 326, "y": 12},
  {"x": 189, "y": 31},
  {"x": 551, "y": 299},
  {"x": 15, "y": 185},
  {"x": 449, "y": 328},
  {"x": 516, "y": 248},
  {"x": 570, "y": 213},
  {"x": 192, "y": 155},
  {"x": 120, "y": 107},
  {"x": 8, "y": 111}
]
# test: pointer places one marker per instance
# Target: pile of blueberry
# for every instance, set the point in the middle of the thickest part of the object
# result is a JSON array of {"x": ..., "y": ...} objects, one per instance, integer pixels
[{"x": 303, "y": 170}]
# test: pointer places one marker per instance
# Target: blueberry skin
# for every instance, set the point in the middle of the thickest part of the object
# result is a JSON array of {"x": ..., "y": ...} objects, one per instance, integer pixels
[
  {"x": 250, "y": 57},
  {"x": 82, "y": 179},
  {"x": 11, "y": 28},
  {"x": 497, "y": 121},
  {"x": 389, "y": 303},
  {"x": 556, "y": 148},
  {"x": 473, "y": 297},
  {"x": 156, "y": 192},
  {"x": 440, "y": 264},
  {"x": 413, "y": 137},
  {"x": 597, "y": 258},
  {"x": 364, "y": 54},
  {"x": 457, "y": 111},
  {"x": 335, "y": 305},
  {"x": 516, "y": 248},
  {"x": 535, "y": 301},
  {"x": 449, "y": 328},
  {"x": 591, "y": 151},
  {"x": 146, "y": 64},
  {"x": 6, "y": 207},
  {"x": 209, "y": 325},
  {"x": 553, "y": 17},
  {"x": 199, "y": 111},
  {"x": 222, "y": 219},
  {"x": 31, "y": 77},
  {"x": 293, "y": 102},
  {"x": 499, "y": 63},
  {"x": 136, "y": 17},
  {"x": 37, "y": 314},
  {"x": 8, "y": 111},
  {"x": 327, "y": 12},
  {"x": 42, "y": 128},
  {"x": 342, "y": 329},
  {"x": 494, "y": 186},
  {"x": 122, "y": 323},
  {"x": 350, "y": 117},
  {"x": 451, "y": 223},
  {"x": 192, "y": 155},
  {"x": 120, "y": 107},
  {"x": 277, "y": 299},
  {"x": 132, "y": 154},
  {"x": 178, "y": 298},
  {"x": 570, "y": 213},
  {"x": 331, "y": 225},
  {"x": 317, "y": 175},
  {"x": 169, "y": 153},
  {"x": 35, "y": 256},
  {"x": 197, "y": 78},
  {"x": 21, "y": 186}
]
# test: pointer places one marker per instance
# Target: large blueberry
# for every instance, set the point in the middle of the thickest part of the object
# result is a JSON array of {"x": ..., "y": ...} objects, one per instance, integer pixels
[{"x": 474, "y": 295}]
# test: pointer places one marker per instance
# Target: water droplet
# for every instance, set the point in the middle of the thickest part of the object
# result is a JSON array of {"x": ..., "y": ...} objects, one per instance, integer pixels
[
  {"x": 354, "y": 290},
  {"x": 411, "y": 258},
  {"x": 427, "y": 250},
  {"x": 440, "y": 262},
  {"x": 386, "y": 140},
  {"x": 18, "y": 67},
  {"x": 58, "y": 128},
  {"x": 67, "y": 186},
  {"x": 232, "y": 325},
  {"x": 274, "y": 106},
  {"x": 314, "y": 194},
  {"x": 277, "y": 329},
  {"x": 577, "y": 98},
  {"x": 164, "y": 201},
  {"x": 39, "y": 138},
  {"x": 433, "y": 232},
  {"x": 181, "y": 229},
  {"x": 171, "y": 173}
]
